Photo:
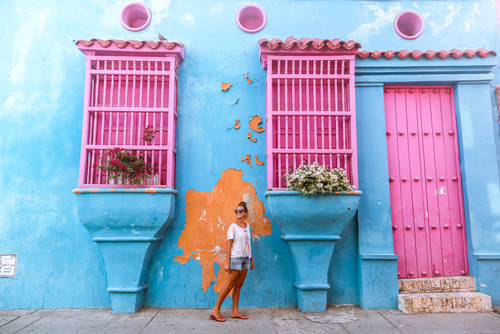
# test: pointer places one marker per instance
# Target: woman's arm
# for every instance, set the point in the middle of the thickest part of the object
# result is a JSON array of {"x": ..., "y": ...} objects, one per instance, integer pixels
[
  {"x": 227, "y": 266},
  {"x": 252, "y": 265}
]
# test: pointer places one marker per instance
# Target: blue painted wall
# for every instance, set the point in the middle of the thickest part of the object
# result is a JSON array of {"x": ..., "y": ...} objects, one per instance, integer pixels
[{"x": 41, "y": 107}]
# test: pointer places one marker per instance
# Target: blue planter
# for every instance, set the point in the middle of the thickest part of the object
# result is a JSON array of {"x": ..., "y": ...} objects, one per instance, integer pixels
[
  {"x": 311, "y": 226},
  {"x": 126, "y": 225}
]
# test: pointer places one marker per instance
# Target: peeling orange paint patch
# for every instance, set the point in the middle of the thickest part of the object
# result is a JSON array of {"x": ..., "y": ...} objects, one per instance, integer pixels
[
  {"x": 248, "y": 80},
  {"x": 237, "y": 126},
  {"x": 248, "y": 160},
  {"x": 226, "y": 86},
  {"x": 112, "y": 190},
  {"x": 209, "y": 215},
  {"x": 93, "y": 191},
  {"x": 77, "y": 191},
  {"x": 258, "y": 162},
  {"x": 150, "y": 191},
  {"x": 254, "y": 124},
  {"x": 242, "y": 159},
  {"x": 251, "y": 138}
]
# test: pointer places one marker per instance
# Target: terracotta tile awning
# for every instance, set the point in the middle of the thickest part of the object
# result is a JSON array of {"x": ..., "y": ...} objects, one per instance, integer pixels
[
  {"x": 416, "y": 54},
  {"x": 304, "y": 43},
  {"x": 135, "y": 44}
]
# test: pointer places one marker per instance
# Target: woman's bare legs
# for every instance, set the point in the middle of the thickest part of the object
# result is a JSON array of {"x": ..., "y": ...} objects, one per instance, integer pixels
[
  {"x": 231, "y": 282},
  {"x": 236, "y": 293}
]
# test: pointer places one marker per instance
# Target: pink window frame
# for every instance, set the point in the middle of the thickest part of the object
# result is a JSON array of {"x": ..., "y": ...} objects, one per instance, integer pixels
[
  {"x": 273, "y": 167},
  {"x": 88, "y": 172}
]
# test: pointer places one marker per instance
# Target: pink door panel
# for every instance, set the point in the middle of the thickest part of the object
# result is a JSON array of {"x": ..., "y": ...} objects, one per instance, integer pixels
[{"x": 425, "y": 184}]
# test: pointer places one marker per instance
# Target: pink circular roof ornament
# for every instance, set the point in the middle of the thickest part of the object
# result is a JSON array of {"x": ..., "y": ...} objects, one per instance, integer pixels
[
  {"x": 409, "y": 24},
  {"x": 251, "y": 18},
  {"x": 135, "y": 16}
]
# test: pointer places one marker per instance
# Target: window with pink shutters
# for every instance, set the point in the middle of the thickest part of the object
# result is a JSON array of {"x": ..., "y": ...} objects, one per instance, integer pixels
[
  {"x": 310, "y": 109},
  {"x": 126, "y": 90}
]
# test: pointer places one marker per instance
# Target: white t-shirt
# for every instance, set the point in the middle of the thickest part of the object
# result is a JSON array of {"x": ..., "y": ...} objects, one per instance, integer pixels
[{"x": 241, "y": 240}]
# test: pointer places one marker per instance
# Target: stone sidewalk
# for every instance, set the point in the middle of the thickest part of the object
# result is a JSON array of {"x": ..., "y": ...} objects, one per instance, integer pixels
[{"x": 337, "y": 319}]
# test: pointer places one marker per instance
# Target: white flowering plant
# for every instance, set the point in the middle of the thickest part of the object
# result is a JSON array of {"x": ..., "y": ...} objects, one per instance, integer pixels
[{"x": 311, "y": 179}]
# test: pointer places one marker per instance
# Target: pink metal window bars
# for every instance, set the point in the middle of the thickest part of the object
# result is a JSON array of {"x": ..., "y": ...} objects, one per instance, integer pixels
[
  {"x": 129, "y": 85},
  {"x": 310, "y": 105}
]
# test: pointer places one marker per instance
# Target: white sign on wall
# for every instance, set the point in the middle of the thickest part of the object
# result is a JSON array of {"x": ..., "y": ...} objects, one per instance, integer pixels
[{"x": 8, "y": 264}]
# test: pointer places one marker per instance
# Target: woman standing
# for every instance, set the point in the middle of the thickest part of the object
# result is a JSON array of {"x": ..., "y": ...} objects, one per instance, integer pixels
[{"x": 239, "y": 260}]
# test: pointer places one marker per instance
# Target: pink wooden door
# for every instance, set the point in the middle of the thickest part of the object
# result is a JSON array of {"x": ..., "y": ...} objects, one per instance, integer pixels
[{"x": 425, "y": 182}]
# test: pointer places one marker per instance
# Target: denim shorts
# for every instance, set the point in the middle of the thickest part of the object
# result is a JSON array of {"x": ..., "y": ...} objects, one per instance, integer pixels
[{"x": 240, "y": 263}]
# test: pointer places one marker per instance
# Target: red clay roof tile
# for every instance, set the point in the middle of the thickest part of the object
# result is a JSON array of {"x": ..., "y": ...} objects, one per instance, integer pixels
[
  {"x": 304, "y": 43},
  {"x": 135, "y": 44},
  {"x": 403, "y": 54},
  {"x": 416, "y": 54},
  {"x": 389, "y": 54}
]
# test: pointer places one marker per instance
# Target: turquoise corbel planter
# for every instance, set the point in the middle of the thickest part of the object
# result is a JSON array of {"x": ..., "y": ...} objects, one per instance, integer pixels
[
  {"x": 311, "y": 226},
  {"x": 126, "y": 225}
]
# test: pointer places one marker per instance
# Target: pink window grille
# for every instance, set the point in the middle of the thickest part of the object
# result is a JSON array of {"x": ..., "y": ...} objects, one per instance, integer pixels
[
  {"x": 129, "y": 85},
  {"x": 310, "y": 106}
]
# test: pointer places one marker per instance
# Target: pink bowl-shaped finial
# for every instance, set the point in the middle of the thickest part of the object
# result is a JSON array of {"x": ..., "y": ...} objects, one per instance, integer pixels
[
  {"x": 409, "y": 24},
  {"x": 135, "y": 16},
  {"x": 251, "y": 18}
]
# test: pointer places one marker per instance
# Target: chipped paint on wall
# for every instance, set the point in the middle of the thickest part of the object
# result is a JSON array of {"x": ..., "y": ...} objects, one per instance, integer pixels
[
  {"x": 209, "y": 215},
  {"x": 247, "y": 159},
  {"x": 254, "y": 124},
  {"x": 225, "y": 86},
  {"x": 248, "y": 80},
  {"x": 251, "y": 138},
  {"x": 442, "y": 190},
  {"x": 237, "y": 125},
  {"x": 258, "y": 162}
]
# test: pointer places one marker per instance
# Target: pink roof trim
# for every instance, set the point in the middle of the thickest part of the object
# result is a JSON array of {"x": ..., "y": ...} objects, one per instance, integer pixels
[
  {"x": 416, "y": 54},
  {"x": 135, "y": 44},
  {"x": 304, "y": 43}
]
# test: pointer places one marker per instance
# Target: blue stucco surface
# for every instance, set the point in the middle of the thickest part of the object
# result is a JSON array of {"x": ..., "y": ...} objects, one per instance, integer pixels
[
  {"x": 41, "y": 110},
  {"x": 311, "y": 227},
  {"x": 126, "y": 225}
]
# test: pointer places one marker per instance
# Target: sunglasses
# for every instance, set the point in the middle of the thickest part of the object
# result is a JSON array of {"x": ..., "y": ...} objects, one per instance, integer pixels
[{"x": 239, "y": 211}]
